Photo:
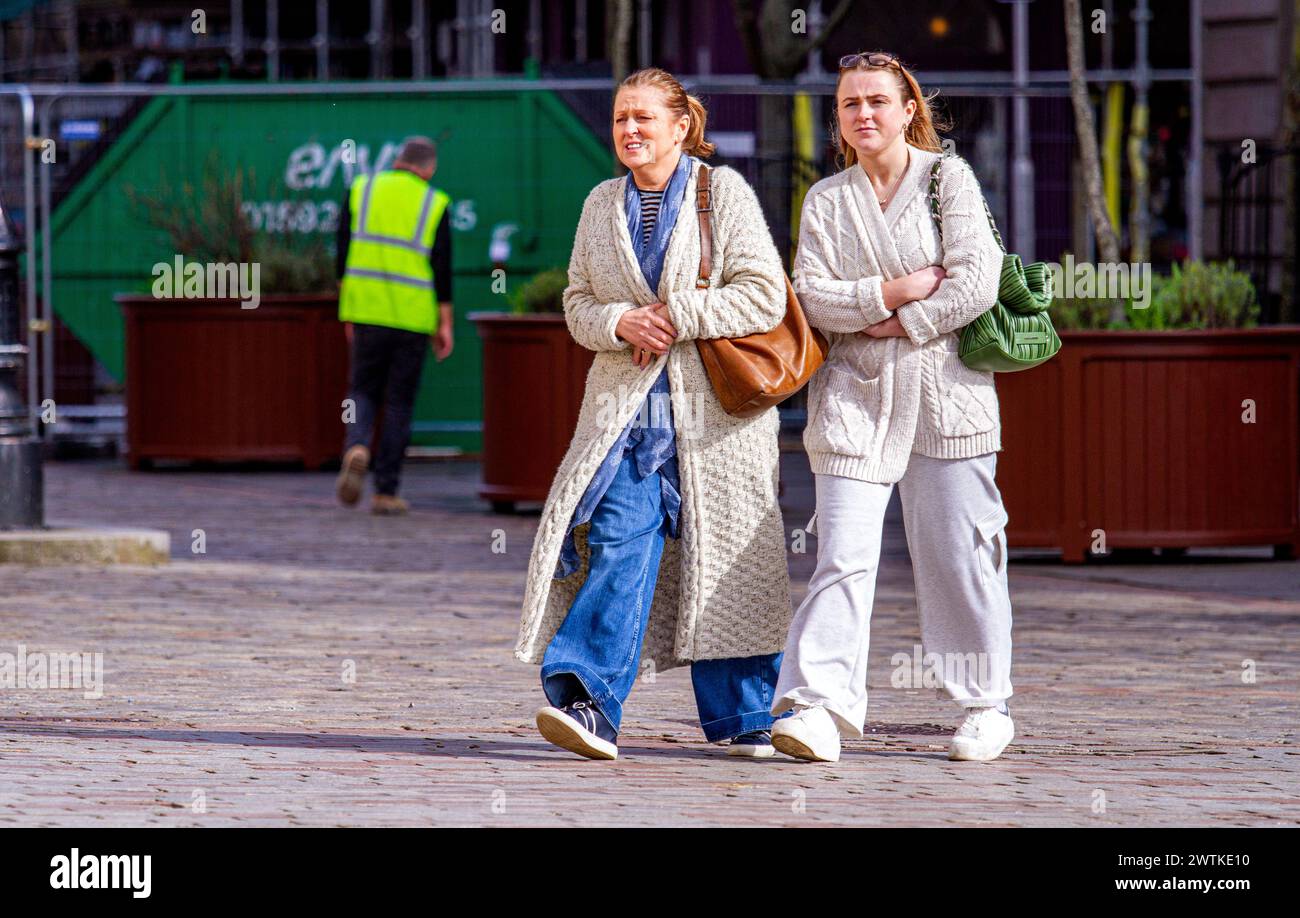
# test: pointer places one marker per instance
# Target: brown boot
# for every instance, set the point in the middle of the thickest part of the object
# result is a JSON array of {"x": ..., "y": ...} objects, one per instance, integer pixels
[
  {"x": 352, "y": 476},
  {"x": 388, "y": 505}
]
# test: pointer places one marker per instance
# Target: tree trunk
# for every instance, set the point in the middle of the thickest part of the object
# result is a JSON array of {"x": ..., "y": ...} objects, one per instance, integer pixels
[
  {"x": 618, "y": 39},
  {"x": 1139, "y": 209},
  {"x": 777, "y": 52},
  {"x": 1107, "y": 242}
]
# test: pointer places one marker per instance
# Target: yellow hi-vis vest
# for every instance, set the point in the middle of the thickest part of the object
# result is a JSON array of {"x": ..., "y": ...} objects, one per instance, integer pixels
[{"x": 388, "y": 279}]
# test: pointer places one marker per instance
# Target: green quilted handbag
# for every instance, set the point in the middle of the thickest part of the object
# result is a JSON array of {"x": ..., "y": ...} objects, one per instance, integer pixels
[{"x": 1016, "y": 334}]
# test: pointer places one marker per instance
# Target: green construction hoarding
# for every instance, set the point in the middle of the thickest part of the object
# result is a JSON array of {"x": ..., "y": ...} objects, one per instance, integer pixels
[{"x": 517, "y": 166}]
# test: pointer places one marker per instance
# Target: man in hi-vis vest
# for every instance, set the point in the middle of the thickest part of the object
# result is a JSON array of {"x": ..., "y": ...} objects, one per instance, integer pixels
[{"x": 394, "y": 263}]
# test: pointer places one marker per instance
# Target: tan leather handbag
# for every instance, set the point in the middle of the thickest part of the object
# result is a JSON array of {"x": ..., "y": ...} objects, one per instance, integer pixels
[{"x": 753, "y": 373}]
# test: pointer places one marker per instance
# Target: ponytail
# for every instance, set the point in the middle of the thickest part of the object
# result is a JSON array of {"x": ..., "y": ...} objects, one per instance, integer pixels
[{"x": 695, "y": 144}]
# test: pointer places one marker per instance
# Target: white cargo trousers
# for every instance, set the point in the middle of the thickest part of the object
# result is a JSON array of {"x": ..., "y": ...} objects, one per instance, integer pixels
[{"x": 955, "y": 525}]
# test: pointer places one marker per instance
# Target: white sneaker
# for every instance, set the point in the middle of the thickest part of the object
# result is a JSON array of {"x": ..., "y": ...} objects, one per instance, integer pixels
[
  {"x": 982, "y": 735},
  {"x": 809, "y": 733}
]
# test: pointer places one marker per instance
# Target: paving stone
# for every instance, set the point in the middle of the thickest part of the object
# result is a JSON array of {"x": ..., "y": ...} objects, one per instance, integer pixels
[{"x": 315, "y": 665}]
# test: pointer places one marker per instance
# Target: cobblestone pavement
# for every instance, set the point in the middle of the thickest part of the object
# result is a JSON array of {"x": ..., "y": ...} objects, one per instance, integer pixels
[{"x": 227, "y": 699}]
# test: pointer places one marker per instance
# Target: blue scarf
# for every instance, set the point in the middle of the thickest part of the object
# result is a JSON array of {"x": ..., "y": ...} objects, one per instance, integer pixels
[
  {"x": 651, "y": 433},
  {"x": 651, "y": 254}
]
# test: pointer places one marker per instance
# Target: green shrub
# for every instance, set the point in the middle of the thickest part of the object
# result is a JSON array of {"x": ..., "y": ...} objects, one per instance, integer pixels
[
  {"x": 1083, "y": 313},
  {"x": 291, "y": 263},
  {"x": 206, "y": 222},
  {"x": 543, "y": 292},
  {"x": 1204, "y": 295},
  {"x": 1194, "y": 295}
]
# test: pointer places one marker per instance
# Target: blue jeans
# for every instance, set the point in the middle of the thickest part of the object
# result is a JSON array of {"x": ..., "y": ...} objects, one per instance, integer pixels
[{"x": 597, "y": 649}]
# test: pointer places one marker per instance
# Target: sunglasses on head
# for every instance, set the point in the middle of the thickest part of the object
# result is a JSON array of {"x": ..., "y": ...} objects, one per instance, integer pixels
[{"x": 869, "y": 58}]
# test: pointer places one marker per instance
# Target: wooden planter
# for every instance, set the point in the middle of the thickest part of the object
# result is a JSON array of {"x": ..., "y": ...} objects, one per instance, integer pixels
[
  {"x": 1141, "y": 435},
  {"x": 207, "y": 380},
  {"x": 534, "y": 374}
]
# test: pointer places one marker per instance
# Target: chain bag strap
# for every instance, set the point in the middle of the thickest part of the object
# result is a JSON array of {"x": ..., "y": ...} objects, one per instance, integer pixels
[{"x": 1017, "y": 333}]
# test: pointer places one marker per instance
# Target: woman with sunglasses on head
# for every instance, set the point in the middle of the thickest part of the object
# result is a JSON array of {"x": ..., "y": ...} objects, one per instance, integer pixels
[
  {"x": 662, "y": 528},
  {"x": 895, "y": 404}
]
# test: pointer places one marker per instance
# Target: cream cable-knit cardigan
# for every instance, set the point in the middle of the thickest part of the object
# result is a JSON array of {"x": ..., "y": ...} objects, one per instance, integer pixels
[
  {"x": 877, "y": 400},
  {"x": 723, "y": 588}
]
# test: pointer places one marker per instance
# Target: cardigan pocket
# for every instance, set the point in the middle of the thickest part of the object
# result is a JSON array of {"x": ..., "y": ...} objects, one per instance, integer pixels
[
  {"x": 843, "y": 413},
  {"x": 967, "y": 400}
]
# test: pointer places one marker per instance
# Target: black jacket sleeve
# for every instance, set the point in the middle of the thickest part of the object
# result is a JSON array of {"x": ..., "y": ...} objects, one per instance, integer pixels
[
  {"x": 440, "y": 258},
  {"x": 342, "y": 236}
]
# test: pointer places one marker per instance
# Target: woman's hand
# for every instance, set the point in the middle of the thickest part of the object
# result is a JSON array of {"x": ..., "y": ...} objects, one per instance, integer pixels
[
  {"x": 925, "y": 281},
  {"x": 648, "y": 330},
  {"x": 915, "y": 286},
  {"x": 889, "y": 328}
]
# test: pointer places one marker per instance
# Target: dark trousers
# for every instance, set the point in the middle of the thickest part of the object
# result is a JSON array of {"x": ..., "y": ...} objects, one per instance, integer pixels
[{"x": 386, "y": 365}]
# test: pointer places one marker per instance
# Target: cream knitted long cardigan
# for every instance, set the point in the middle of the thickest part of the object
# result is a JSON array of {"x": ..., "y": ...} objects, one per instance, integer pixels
[
  {"x": 876, "y": 400},
  {"x": 723, "y": 587}
]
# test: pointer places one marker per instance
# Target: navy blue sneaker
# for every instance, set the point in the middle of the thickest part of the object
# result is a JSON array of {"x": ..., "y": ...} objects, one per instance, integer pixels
[
  {"x": 579, "y": 727},
  {"x": 756, "y": 744}
]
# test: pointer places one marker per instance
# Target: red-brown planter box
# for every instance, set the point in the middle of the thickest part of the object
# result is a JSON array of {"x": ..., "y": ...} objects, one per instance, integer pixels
[
  {"x": 534, "y": 374},
  {"x": 1140, "y": 435},
  {"x": 207, "y": 380}
]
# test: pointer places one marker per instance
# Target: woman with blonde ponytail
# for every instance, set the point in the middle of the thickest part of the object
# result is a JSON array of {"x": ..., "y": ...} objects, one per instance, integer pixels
[
  {"x": 661, "y": 542},
  {"x": 894, "y": 403}
]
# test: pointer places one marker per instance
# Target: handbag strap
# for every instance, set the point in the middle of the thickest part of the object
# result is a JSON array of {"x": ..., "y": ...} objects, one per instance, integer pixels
[
  {"x": 1024, "y": 289},
  {"x": 703, "y": 205},
  {"x": 937, "y": 212}
]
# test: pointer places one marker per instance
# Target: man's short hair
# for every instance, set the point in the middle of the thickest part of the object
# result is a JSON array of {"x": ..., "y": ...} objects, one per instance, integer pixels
[{"x": 418, "y": 151}]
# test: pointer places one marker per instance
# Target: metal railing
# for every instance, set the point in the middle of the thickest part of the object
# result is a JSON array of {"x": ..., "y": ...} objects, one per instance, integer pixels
[
  {"x": 1250, "y": 197},
  {"x": 38, "y": 105}
]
